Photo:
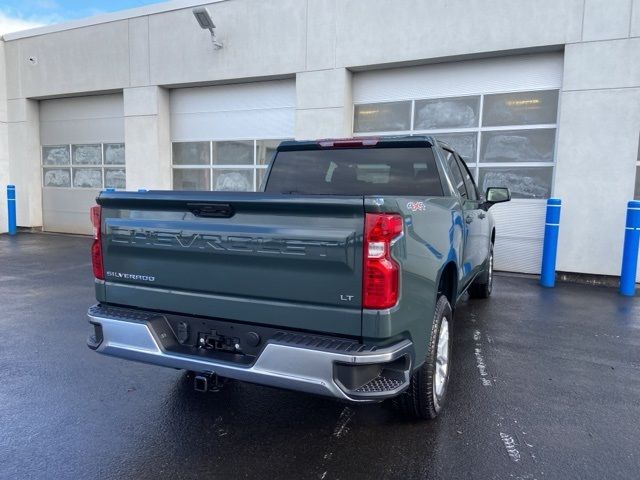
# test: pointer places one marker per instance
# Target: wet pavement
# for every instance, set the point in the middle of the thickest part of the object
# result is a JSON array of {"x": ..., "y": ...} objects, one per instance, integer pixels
[{"x": 546, "y": 384}]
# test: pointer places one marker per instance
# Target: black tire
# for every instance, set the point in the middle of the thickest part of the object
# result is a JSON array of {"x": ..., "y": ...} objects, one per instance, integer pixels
[
  {"x": 482, "y": 286},
  {"x": 421, "y": 400}
]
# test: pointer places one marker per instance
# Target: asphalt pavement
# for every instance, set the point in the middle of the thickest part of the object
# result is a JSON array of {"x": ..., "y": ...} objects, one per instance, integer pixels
[{"x": 545, "y": 384}]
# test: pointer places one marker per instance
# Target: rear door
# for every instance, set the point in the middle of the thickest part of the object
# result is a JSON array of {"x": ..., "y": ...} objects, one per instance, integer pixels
[
  {"x": 468, "y": 262},
  {"x": 290, "y": 261},
  {"x": 476, "y": 219}
]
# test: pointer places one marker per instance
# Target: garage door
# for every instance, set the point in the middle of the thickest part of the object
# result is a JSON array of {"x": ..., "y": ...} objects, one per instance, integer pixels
[
  {"x": 82, "y": 152},
  {"x": 223, "y": 136},
  {"x": 499, "y": 113}
]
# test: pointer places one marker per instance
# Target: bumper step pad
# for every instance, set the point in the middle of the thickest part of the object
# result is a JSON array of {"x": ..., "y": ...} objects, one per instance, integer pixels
[{"x": 381, "y": 384}]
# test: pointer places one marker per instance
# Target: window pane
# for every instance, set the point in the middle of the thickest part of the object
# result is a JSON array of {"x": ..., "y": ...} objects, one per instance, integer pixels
[
  {"x": 56, "y": 177},
  {"x": 191, "y": 179},
  {"x": 233, "y": 153},
  {"x": 456, "y": 175},
  {"x": 356, "y": 171},
  {"x": 115, "y": 178},
  {"x": 87, "y": 177},
  {"x": 56, "y": 155},
  {"x": 191, "y": 153},
  {"x": 87, "y": 154},
  {"x": 518, "y": 146},
  {"x": 266, "y": 151},
  {"x": 637, "y": 193},
  {"x": 463, "y": 143},
  {"x": 524, "y": 182},
  {"x": 446, "y": 113},
  {"x": 114, "y": 154},
  {"x": 382, "y": 117},
  {"x": 468, "y": 181},
  {"x": 233, "y": 180},
  {"x": 523, "y": 108}
]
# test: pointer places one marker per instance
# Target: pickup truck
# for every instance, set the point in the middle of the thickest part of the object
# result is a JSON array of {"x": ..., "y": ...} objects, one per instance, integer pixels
[{"x": 340, "y": 277}]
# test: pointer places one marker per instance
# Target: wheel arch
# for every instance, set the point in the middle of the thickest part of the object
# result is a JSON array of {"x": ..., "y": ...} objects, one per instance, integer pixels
[{"x": 448, "y": 282}]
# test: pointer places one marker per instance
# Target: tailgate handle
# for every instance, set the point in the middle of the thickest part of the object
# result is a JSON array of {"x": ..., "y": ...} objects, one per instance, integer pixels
[{"x": 211, "y": 210}]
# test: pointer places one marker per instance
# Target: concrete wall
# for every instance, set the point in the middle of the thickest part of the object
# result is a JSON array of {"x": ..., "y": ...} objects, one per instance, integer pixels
[
  {"x": 598, "y": 137},
  {"x": 320, "y": 42},
  {"x": 598, "y": 142},
  {"x": 4, "y": 141},
  {"x": 24, "y": 159},
  {"x": 279, "y": 37},
  {"x": 147, "y": 137}
]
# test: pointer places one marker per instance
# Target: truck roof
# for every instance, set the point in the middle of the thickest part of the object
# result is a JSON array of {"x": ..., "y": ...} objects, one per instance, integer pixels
[{"x": 358, "y": 142}]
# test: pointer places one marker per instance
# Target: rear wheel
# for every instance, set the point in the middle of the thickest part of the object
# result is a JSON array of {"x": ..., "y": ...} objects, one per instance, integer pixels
[
  {"x": 428, "y": 388},
  {"x": 482, "y": 286}
]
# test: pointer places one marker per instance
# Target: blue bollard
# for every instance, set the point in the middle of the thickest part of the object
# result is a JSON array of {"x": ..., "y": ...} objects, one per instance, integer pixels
[
  {"x": 11, "y": 207},
  {"x": 550, "y": 246},
  {"x": 630, "y": 250}
]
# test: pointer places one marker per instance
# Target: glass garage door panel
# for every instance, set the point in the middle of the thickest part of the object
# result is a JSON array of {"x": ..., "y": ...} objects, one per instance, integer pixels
[
  {"x": 447, "y": 113},
  {"x": 518, "y": 146},
  {"x": 463, "y": 143},
  {"x": 527, "y": 183},
  {"x": 379, "y": 117},
  {"x": 520, "y": 108}
]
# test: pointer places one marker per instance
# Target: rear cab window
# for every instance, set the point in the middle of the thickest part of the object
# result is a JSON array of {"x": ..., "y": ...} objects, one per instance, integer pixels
[{"x": 395, "y": 171}]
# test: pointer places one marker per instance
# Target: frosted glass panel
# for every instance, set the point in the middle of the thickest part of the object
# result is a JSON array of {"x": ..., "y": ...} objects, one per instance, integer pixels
[
  {"x": 114, "y": 178},
  {"x": 233, "y": 153},
  {"x": 524, "y": 182},
  {"x": 56, "y": 177},
  {"x": 379, "y": 117},
  {"x": 523, "y": 108},
  {"x": 56, "y": 155},
  {"x": 191, "y": 153},
  {"x": 87, "y": 154},
  {"x": 87, "y": 177},
  {"x": 191, "y": 179},
  {"x": 114, "y": 154},
  {"x": 233, "y": 180},
  {"x": 518, "y": 146},
  {"x": 463, "y": 143},
  {"x": 446, "y": 113}
]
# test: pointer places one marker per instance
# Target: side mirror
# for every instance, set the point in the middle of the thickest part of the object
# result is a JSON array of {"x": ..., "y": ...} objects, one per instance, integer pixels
[{"x": 496, "y": 195}]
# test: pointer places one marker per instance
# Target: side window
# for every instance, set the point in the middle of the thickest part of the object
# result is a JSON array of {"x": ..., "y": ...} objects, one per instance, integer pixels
[
  {"x": 456, "y": 176},
  {"x": 468, "y": 179}
]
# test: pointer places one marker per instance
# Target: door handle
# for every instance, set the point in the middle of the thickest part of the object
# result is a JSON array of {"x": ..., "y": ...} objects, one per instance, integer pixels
[
  {"x": 468, "y": 219},
  {"x": 481, "y": 215}
]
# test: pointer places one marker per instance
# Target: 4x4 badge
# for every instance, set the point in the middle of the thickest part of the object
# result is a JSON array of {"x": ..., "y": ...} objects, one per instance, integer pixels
[{"x": 417, "y": 206}]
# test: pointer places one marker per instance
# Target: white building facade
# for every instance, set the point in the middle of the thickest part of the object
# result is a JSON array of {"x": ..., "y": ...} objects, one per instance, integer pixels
[{"x": 541, "y": 96}]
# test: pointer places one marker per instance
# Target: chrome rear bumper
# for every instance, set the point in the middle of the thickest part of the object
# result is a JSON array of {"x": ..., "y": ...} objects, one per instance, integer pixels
[{"x": 286, "y": 362}]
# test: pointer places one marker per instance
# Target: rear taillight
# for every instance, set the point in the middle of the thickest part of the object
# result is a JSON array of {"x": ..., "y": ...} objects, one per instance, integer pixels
[
  {"x": 380, "y": 271},
  {"x": 96, "y": 247}
]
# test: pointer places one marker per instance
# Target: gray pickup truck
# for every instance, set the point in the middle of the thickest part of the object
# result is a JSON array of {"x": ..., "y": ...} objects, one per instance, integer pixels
[{"x": 339, "y": 278}]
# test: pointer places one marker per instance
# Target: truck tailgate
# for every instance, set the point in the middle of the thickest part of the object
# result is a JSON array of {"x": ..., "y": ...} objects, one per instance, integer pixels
[{"x": 282, "y": 260}]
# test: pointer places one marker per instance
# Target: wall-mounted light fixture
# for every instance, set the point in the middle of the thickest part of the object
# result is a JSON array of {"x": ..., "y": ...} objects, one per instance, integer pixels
[{"x": 204, "y": 20}]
